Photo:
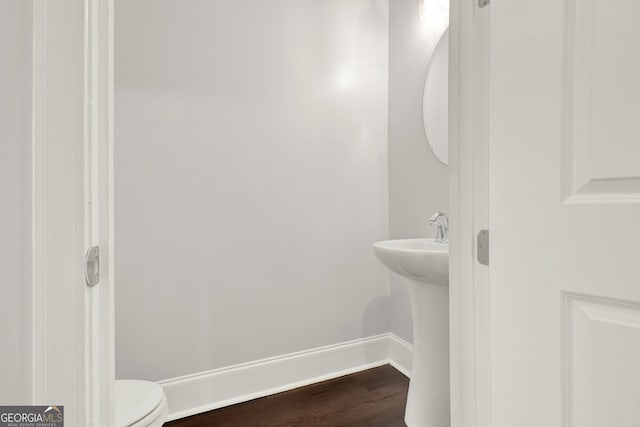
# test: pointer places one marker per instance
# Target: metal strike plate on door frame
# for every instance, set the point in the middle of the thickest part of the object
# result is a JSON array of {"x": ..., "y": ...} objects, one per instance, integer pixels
[
  {"x": 483, "y": 247},
  {"x": 92, "y": 266},
  {"x": 483, "y": 3}
]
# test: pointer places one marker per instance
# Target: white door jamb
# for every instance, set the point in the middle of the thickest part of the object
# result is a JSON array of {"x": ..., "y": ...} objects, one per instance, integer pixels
[
  {"x": 469, "y": 188},
  {"x": 72, "y": 186}
]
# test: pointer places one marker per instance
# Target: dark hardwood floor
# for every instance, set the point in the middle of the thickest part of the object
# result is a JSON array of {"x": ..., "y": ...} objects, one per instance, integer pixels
[{"x": 374, "y": 398}]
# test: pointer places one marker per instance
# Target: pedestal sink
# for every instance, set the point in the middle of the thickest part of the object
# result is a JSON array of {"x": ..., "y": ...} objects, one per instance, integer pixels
[{"x": 426, "y": 263}]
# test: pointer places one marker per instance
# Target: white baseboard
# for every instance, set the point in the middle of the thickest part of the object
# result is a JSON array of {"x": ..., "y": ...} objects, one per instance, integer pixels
[
  {"x": 400, "y": 354},
  {"x": 205, "y": 391}
]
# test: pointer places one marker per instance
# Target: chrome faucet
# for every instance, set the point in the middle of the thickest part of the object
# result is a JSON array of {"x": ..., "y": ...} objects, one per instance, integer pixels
[{"x": 441, "y": 221}]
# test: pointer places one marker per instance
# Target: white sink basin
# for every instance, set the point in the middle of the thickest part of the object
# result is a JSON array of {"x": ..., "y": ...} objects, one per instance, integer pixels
[
  {"x": 426, "y": 263},
  {"x": 423, "y": 260}
]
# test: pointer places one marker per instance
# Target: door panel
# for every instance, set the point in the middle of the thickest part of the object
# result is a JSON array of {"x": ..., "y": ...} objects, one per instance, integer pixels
[
  {"x": 603, "y": 101},
  {"x": 603, "y": 343},
  {"x": 564, "y": 213}
]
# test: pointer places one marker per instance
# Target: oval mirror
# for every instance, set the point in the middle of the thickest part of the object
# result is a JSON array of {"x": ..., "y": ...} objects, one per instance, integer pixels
[{"x": 435, "y": 101}]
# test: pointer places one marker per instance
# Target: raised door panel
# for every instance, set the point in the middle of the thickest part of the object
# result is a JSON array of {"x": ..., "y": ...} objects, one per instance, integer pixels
[
  {"x": 603, "y": 115},
  {"x": 603, "y": 344}
]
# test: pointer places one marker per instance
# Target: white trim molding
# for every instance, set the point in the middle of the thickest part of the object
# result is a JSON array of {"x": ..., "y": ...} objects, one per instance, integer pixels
[
  {"x": 72, "y": 125},
  {"x": 469, "y": 309},
  {"x": 400, "y": 354},
  {"x": 60, "y": 336},
  {"x": 196, "y": 393}
]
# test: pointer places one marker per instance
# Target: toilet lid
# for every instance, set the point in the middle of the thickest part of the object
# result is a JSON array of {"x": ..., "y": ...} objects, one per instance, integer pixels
[{"x": 135, "y": 400}]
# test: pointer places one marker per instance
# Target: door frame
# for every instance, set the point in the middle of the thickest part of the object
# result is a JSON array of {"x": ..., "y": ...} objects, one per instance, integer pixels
[
  {"x": 72, "y": 180},
  {"x": 469, "y": 315},
  {"x": 73, "y": 167}
]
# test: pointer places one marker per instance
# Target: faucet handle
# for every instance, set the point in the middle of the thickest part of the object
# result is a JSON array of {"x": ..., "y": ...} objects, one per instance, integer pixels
[
  {"x": 438, "y": 215},
  {"x": 440, "y": 220}
]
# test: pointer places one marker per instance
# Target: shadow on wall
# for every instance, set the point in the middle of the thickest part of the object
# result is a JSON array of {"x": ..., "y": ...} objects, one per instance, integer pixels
[{"x": 372, "y": 323}]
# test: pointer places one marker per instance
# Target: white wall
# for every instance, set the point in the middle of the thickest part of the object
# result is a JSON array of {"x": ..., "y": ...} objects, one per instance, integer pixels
[
  {"x": 418, "y": 182},
  {"x": 251, "y": 179},
  {"x": 15, "y": 201}
]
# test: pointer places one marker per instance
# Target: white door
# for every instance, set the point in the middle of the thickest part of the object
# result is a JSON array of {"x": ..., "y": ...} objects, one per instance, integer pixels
[{"x": 565, "y": 213}]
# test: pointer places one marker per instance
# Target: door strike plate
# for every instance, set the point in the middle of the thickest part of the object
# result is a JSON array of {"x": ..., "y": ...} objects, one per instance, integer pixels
[
  {"x": 483, "y": 247},
  {"x": 92, "y": 266}
]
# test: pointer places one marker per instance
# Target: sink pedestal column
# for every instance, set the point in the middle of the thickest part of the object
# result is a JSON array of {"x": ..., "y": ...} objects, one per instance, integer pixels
[{"x": 428, "y": 400}]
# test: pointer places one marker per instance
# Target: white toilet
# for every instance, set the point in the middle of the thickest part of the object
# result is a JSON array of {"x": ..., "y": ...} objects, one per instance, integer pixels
[{"x": 140, "y": 404}]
